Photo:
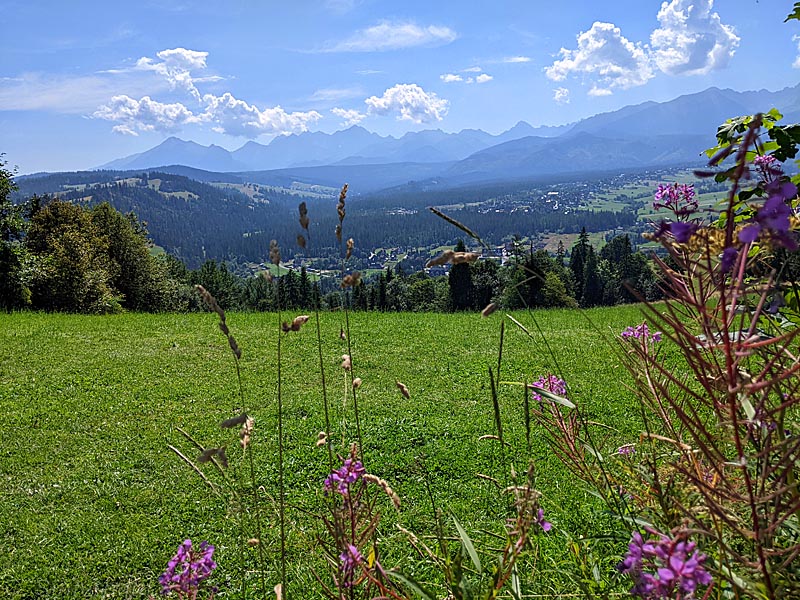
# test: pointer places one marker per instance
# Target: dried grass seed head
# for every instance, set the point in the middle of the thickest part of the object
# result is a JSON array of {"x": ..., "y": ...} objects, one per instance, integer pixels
[
  {"x": 442, "y": 259},
  {"x": 347, "y": 363},
  {"x": 351, "y": 280},
  {"x": 274, "y": 253},
  {"x": 403, "y": 389},
  {"x": 350, "y": 246},
  {"x": 301, "y": 241},
  {"x": 356, "y": 383},
  {"x": 490, "y": 308},
  {"x": 303, "y": 215}
]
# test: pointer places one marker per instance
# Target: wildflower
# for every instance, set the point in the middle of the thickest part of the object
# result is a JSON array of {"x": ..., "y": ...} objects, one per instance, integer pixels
[
  {"x": 626, "y": 450},
  {"x": 678, "y": 198},
  {"x": 773, "y": 217},
  {"x": 550, "y": 383},
  {"x": 342, "y": 478},
  {"x": 188, "y": 568},
  {"x": 641, "y": 332},
  {"x": 664, "y": 566},
  {"x": 545, "y": 525},
  {"x": 350, "y": 559}
]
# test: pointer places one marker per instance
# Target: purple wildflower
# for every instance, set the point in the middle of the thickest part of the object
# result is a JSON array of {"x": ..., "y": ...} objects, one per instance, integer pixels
[
  {"x": 641, "y": 332},
  {"x": 349, "y": 559},
  {"x": 551, "y": 383},
  {"x": 545, "y": 525},
  {"x": 768, "y": 167},
  {"x": 664, "y": 566},
  {"x": 188, "y": 569},
  {"x": 678, "y": 198},
  {"x": 626, "y": 450},
  {"x": 729, "y": 256},
  {"x": 342, "y": 478},
  {"x": 773, "y": 216}
]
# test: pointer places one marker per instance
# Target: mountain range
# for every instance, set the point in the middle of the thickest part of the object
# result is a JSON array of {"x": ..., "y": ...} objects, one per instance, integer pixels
[{"x": 642, "y": 135}]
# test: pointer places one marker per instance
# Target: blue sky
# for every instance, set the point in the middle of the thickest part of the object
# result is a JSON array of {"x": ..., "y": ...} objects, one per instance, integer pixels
[{"x": 84, "y": 82}]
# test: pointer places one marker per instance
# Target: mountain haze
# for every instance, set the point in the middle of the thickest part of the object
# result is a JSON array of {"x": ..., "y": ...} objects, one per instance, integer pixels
[{"x": 646, "y": 134}]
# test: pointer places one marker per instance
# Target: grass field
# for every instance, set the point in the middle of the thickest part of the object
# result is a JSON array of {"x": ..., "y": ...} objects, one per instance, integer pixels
[{"x": 94, "y": 503}]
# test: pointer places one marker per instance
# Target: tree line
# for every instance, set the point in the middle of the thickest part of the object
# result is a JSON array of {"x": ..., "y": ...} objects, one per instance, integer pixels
[{"x": 57, "y": 255}]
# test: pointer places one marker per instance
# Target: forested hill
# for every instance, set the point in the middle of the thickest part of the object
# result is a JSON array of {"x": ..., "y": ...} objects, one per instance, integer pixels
[{"x": 196, "y": 221}]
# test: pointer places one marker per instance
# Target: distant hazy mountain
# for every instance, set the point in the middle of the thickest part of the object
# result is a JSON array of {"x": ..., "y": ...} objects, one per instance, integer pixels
[
  {"x": 651, "y": 133},
  {"x": 174, "y": 151}
]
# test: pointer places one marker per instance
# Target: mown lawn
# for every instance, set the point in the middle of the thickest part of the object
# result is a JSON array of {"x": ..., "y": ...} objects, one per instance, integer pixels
[{"x": 94, "y": 503}]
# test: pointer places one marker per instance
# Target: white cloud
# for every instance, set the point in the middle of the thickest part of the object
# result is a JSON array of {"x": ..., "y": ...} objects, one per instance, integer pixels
[
  {"x": 561, "y": 95},
  {"x": 517, "y": 59},
  {"x": 341, "y": 6},
  {"x": 411, "y": 102},
  {"x": 598, "y": 91},
  {"x": 451, "y": 78},
  {"x": 454, "y": 78},
  {"x": 796, "y": 63},
  {"x": 604, "y": 53},
  {"x": 472, "y": 70},
  {"x": 388, "y": 35},
  {"x": 144, "y": 115},
  {"x": 176, "y": 67},
  {"x": 236, "y": 117},
  {"x": 692, "y": 40},
  {"x": 335, "y": 94},
  {"x": 349, "y": 116}
]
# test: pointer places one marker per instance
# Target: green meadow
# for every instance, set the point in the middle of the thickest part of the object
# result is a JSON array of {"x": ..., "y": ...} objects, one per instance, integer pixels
[{"x": 94, "y": 502}]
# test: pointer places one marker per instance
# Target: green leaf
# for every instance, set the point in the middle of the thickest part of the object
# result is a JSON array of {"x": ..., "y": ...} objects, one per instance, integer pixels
[
  {"x": 468, "y": 546},
  {"x": 411, "y": 584},
  {"x": 795, "y": 14}
]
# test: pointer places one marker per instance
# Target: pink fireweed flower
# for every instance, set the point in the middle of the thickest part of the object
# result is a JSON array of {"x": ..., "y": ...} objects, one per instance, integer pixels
[
  {"x": 349, "y": 560},
  {"x": 342, "y": 478},
  {"x": 767, "y": 167},
  {"x": 545, "y": 525},
  {"x": 551, "y": 383},
  {"x": 188, "y": 569},
  {"x": 626, "y": 450},
  {"x": 641, "y": 332},
  {"x": 773, "y": 217},
  {"x": 662, "y": 567},
  {"x": 677, "y": 198}
]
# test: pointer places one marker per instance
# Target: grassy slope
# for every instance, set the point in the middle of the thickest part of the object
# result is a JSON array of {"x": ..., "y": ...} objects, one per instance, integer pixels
[{"x": 93, "y": 502}]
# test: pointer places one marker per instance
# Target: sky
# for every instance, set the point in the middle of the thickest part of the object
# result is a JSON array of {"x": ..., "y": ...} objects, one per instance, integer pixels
[{"x": 84, "y": 82}]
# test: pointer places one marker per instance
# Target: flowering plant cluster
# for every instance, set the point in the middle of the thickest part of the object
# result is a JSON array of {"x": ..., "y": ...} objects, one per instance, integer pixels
[
  {"x": 188, "y": 569},
  {"x": 678, "y": 198},
  {"x": 344, "y": 477},
  {"x": 641, "y": 332},
  {"x": 550, "y": 383},
  {"x": 664, "y": 568}
]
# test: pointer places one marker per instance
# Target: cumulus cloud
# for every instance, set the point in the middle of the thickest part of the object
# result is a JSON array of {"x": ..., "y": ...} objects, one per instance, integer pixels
[
  {"x": 692, "y": 40},
  {"x": 176, "y": 66},
  {"x": 144, "y": 114},
  {"x": 605, "y": 53},
  {"x": 410, "y": 102},
  {"x": 349, "y": 116},
  {"x": 451, "y": 78},
  {"x": 561, "y": 95},
  {"x": 236, "y": 117},
  {"x": 454, "y": 78},
  {"x": 517, "y": 59},
  {"x": 598, "y": 91},
  {"x": 389, "y": 35}
]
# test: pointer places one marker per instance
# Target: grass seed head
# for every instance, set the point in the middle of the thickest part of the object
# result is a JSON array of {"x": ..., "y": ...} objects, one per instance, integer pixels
[
  {"x": 253, "y": 542},
  {"x": 350, "y": 245},
  {"x": 234, "y": 421},
  {"x": 274, "y": 253},
  {"x": 296, "y": 324},
  {"x": 246, "y": 432},
  {"x": 301, "y": 241},
  {"x": 322, "y": 439},
  {"x": 347, "y": 364},
  {"x": 351, "y": 280},
  {"x": 356, "y": 383},
  {"x": 464, "y": 257},
  {"x": 339, "y": 232},
  {"x": 384, "y": 485},
  {"x": 303, "y": 215},
  {"x": 442, "y": 259},
  {"x": 490, "y": 308},
  {"x": 403, "y": 389}
]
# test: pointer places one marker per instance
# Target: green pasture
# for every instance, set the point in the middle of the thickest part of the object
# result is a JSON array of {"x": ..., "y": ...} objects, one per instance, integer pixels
[{"x": 94, "y": 502}]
